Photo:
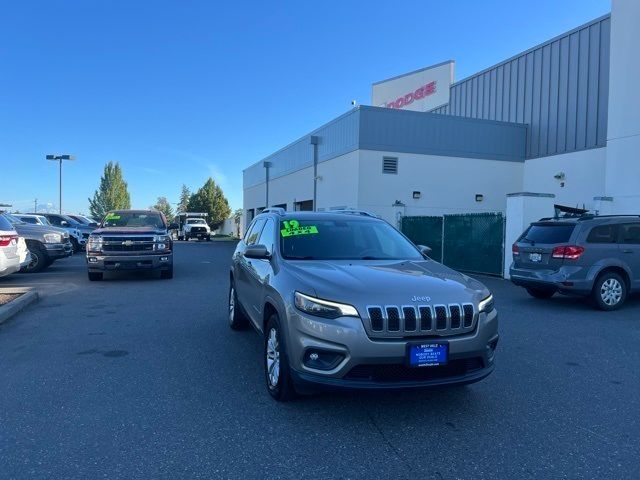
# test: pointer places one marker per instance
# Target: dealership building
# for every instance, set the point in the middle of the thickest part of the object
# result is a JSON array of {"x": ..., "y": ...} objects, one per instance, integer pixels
[{"x": 556, "y": 124}]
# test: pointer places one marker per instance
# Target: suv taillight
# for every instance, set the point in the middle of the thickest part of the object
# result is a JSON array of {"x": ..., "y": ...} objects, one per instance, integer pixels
[
  {"x": 6, "y": 240},
  {"x": 569, "y": 252},
  {"x": 515, "y": 250}
]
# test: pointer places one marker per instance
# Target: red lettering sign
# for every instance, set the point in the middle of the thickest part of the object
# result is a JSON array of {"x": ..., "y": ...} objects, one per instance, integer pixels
[{"x": 419, "y": 94}]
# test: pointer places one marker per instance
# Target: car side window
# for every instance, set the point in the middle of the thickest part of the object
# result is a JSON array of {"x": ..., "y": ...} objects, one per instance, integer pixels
[
  {"x": 630, "y": 233},
  {"x": 55, "y": 220},
  {"x": 603, "y": 234},
  {"x": 254, "y": 234},
  {"x": 29, "y": 220},
  {"x": 266, "y": 237}
]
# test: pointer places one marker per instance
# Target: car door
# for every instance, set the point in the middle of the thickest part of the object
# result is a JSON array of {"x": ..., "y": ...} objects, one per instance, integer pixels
[
  {"x": 260, "y": 271},
  {"x": 629, "y": 245},
  {"x": 243, "y": 272}
]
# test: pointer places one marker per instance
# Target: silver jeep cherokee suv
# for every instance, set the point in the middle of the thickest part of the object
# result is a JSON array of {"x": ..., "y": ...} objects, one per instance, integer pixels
[{"x": 345, "y": 300}]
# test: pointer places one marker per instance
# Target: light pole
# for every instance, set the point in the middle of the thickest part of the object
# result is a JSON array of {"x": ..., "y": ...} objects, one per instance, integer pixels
[{"x": 60, "y": 158}]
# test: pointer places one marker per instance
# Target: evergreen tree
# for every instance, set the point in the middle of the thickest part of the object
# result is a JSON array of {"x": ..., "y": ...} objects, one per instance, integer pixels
[
  {"x": 185, "y": 196},
  {"x": 163, "y": 205},
  {"x": 112, "y": 194},
  {"x": 210, "y": 199}
]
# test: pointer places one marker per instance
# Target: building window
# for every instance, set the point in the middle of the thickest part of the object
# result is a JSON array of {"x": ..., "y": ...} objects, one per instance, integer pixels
[{"x": 389, "y": 165}]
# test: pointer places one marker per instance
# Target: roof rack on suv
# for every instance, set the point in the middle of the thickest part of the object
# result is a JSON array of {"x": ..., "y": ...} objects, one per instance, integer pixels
[
  {"x": 278, "y": 210},
  {"x": 353, "y": 212},
  {"x": 591, "y": 216}
]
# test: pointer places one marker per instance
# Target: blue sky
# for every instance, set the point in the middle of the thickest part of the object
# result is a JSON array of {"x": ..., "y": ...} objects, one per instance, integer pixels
[{"x": 179, "y": 91}]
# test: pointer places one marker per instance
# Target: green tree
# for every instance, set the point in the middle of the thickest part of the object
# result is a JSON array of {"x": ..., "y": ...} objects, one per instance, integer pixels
[
  {"x": 185, "y": 196},
  {"x": 163, "y": 205},
  {"x": 112, "y": 194},
  {"x": 210, "y": 199},
  {"x": 237, "y": 219}
]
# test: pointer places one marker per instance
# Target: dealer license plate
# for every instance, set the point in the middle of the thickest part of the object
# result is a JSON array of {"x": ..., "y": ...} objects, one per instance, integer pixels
[
  {"x": 535, "y": 257},
  {"x": 428, "y": 354}
]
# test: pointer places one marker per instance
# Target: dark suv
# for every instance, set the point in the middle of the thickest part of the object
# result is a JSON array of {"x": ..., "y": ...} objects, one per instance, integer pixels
[{"x": 596, "y": 256}]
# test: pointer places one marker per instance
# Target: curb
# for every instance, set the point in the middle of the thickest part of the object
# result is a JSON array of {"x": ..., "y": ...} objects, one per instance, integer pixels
[{"x": 15, "y": 306}]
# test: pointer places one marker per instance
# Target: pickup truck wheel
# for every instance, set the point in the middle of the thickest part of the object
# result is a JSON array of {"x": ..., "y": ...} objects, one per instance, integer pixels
[
  {"x": 541, "y": 293},
  {"x": 166, "y": 274},
  {"x": 609, "y": 291},
  {"x": 276, "y": 363},
  {"x": 39, "y": 258},
  {"x": 95, "y": 276},
  {"x": 237, "y": 319}
]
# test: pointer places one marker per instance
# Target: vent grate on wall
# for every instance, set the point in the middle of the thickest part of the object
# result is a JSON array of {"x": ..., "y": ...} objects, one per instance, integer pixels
[{"x": 389, "y": 165}]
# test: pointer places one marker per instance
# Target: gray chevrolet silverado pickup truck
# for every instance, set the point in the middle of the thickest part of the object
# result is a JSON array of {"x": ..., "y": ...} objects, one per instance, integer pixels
[{"x": 130, "y": 240}]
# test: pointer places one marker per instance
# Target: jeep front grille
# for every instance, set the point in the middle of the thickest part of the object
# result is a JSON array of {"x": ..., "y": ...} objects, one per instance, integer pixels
[{"x": 423, "y": 320}]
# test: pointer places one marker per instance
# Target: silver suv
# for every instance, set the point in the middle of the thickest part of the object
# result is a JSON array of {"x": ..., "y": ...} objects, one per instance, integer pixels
[
  {"x": 596, "y": 256},
  {"x": 345, "y": 300}
]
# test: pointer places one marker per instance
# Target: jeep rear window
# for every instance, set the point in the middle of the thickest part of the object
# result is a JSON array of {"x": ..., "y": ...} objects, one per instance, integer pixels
[
  {"x": 547, "y": 234},
  {"x": 344, "y": 239}
]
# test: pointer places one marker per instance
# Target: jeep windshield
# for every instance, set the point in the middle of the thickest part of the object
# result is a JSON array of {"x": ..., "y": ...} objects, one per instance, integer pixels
[
  {"x": 344, "y": 239},
  {"x": 133, "y": 220}
]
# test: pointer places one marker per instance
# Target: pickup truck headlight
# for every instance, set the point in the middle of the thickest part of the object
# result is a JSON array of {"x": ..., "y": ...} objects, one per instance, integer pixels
[
  {"x": 94, "y": 244},
  {"x": 323, "y": 308},
  {"x": 486, "y": 305},
  {"x": 52, "y": 238},
  {"x": 163, "y": 242}
]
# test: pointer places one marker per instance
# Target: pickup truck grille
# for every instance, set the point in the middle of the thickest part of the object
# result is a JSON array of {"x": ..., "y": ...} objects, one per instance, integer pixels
[
  {"x": 198, "y": 229},
  {"x": 127, "y": 244},
  {"x": 420, "y": 321}
]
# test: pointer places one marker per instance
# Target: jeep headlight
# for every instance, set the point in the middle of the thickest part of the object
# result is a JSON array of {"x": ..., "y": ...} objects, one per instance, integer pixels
[
  {"x": 323, "y": 308},
  {"x": 95, "y": 243},
  {"x": 486, "y": 305},
  {"x": 52, "y": 238}
]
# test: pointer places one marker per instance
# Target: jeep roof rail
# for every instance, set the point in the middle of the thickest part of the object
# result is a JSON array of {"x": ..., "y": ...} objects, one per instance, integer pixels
[
  {"x": 353, "y": 212},
  {"x": 278, "y": 210}
]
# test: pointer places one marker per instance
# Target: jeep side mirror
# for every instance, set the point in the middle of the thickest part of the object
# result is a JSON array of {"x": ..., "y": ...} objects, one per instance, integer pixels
[
  {"x": 424, "y": 249},
  {"x": 257, "y": 251}
]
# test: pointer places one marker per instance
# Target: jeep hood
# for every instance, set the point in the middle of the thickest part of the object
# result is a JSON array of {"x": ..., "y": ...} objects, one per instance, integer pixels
[{"x": 386, "y": 282}]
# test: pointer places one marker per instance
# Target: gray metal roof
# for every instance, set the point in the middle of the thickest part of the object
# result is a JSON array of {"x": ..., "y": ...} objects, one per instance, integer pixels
[
  {"x": 559, "y": 88},
  {"x": 391, "y": 130}
]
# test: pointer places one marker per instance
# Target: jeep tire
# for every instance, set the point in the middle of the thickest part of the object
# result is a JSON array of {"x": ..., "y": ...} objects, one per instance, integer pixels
[{"x": 276, "y": 362}]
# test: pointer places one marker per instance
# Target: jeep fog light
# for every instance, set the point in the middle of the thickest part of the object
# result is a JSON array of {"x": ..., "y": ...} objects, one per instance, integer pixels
[
  {"x": 323, "y": 308},
  {"x": 322, "y": 359}
]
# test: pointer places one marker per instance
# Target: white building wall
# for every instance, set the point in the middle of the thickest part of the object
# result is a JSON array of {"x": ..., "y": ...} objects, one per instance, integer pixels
[
  {"x": 338, "y": 182},
  {"x": 584, "y": 176},
  {"x": 447, "y": 184},
  {"x": 623, "y": 129}
]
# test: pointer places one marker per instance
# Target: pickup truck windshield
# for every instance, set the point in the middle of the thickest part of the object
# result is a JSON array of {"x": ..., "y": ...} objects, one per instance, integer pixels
[
  {"x": 196, "y": 220},
  {"x": 133, "y": 219},
  {"x": 344, "y": 239}
]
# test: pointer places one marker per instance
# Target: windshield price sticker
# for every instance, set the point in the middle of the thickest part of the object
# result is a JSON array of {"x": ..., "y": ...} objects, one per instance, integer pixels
[
  {"x": 293, "y": 227},
  {"x": 112, "y": 216}
]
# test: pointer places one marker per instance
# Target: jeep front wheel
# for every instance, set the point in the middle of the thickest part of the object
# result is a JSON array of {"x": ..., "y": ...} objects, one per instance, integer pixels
[{"x": 276, "y": 363}]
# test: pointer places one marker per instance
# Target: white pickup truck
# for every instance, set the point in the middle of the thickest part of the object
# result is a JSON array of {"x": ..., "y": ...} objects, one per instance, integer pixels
[{"x": 193, "y": 225}]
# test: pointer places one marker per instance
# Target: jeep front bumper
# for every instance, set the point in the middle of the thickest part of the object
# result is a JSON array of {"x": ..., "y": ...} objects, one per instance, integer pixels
[{"x": 353, "y": 360}]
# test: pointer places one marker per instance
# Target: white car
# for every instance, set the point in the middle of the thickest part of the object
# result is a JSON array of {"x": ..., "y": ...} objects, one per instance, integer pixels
[
  {"x": 23, "y": 252},
  {"x": 9, "y": 255}
]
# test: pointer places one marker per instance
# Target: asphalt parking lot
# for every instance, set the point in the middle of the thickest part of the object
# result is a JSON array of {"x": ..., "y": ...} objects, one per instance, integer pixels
[{"x": 137, "y": 377}]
